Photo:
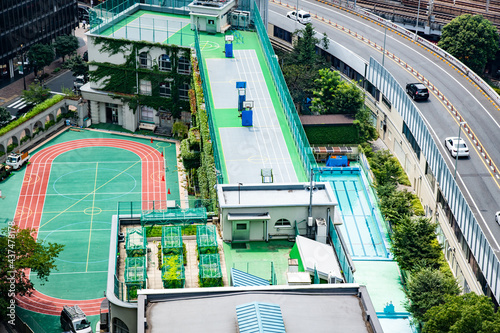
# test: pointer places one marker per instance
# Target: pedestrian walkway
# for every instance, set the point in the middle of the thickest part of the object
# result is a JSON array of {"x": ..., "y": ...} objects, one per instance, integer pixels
[
  {"x": 19, "y": 104},
  {"x": 15, "y": 89}
]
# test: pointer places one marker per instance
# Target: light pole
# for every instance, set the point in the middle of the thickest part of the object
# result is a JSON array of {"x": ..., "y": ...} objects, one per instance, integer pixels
[
  {"x": 418, "y": 13},
  {"x": 458, "y": 146},
  {"x": 24, "y": 68}
]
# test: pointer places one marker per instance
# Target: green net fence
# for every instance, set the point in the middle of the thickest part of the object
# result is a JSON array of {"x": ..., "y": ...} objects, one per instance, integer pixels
[
  {"x": 299, "y": 136},
  {"x": 206, "y": 239},
  {"x": 341, "y": 254},
  {"x": 210, "y": 270},
  {"x": 136, "y": 242},
  {"x": 209, "y": 108},
  {"x": 174, "y": 216},
  {"x": 172, "y": 271},
  {"x": 103, "y": 15},
  {"x": 171, "y": 240},
  {"x": 182, "y": 210}
]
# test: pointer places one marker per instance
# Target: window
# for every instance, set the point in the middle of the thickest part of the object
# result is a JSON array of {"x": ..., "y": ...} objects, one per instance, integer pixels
[
  {"x": 282, "y": 34},
  {"x": 119, "y": 326},
  {"x": 184, "y": 92},
  {"x": 184, "y": 66},
  {"x": 165, "y": 89},
  {"x": 165, "y": 63},
  {"x": 144, "y": 60},
  {"x": 241, "y": 226},
  {"x": 282, "y": 223},
  {"x": 147, "y": 114},
  {"x": 145, "y": 87}
]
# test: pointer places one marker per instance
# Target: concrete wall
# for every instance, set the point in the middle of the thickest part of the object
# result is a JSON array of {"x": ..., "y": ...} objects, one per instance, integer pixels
[
  {"x": 127, "y": 315},
  {"x": 30, "y": 126}
]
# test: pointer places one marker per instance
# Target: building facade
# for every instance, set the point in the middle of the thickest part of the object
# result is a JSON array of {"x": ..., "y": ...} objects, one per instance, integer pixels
[
  {"x": 137, "y": 84},
  {"x": 24, "y": 23}
]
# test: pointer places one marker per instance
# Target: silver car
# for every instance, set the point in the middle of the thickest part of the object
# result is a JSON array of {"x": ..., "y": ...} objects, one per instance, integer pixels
[{"x": 456, "y": 147}]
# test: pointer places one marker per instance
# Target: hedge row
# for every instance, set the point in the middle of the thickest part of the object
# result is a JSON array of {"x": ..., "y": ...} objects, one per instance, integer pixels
[
  {"x": 339, "y": 135},
  {"x": 35, "y": 111}
]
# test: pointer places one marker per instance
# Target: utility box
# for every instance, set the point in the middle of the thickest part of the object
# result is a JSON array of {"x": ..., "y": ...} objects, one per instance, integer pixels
[
  {"x": 293, "y": 265},
  {"x": 321, "y": 230}
]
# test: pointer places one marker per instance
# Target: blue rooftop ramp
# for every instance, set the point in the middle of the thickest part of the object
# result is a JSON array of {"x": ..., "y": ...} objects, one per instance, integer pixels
[
  {"x": 259, "y": 317},
  {"x": 243, "y": 279}
]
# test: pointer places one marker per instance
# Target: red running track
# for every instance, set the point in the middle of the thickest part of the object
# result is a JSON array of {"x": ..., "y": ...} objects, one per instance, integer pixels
[{"x": 31, "y": 200}]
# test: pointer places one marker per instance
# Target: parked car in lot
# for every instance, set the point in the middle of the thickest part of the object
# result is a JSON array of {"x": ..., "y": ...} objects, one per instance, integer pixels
[
  {"x": 417, "y": 91},
  {"x": 456, "y": 147},
  {"x": 302, "y": 16}
]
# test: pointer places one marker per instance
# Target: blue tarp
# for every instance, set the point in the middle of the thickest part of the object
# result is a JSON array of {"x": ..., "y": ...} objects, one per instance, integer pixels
[{"x": 337, "y": 161}]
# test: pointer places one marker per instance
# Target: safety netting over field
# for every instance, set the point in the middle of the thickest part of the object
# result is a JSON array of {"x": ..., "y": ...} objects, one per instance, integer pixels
[
  {"x": 136, "y": 243},
  {"x": 135, "y": 275},
  {"x": 206, "y": 239},
  {"x": 210, "y": 270},
  {"x": 172, "y": 271},
  {"x": 171, "y": 240}
]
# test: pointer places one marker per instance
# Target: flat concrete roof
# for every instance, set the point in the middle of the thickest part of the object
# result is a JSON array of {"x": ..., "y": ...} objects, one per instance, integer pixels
[
  {"x": 315, "y": 308},
  {"x": 273, "y": 195}
]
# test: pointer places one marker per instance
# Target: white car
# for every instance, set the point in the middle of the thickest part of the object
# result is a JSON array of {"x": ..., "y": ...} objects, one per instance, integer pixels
[
  {"x": 497, "y": 217},
  {"x": 303, "y": 16},
  {"x": 457, "y": 148}
]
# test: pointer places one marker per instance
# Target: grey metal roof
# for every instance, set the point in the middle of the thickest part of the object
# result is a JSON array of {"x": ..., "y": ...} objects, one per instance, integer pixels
[
  {"x": 257, "y": 317},
  {"x": 240, "y": 279}
]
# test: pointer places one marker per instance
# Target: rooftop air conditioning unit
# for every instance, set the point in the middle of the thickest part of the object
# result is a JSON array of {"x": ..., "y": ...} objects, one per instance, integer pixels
[
  {"x": 234, "y": 17},
  {"x": 332, "y": 279},
  {"x": 244, "y": 19},
  {"x": 321, "y": 231}
]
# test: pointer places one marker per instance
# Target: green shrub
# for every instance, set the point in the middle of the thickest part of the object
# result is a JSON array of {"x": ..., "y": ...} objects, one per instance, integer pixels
[
  {"x": 35, "y": 111},
  {"x": 56, "y": 70},
  {"x": 11, "y": 147},
  {"x": 49, "y": 124}
]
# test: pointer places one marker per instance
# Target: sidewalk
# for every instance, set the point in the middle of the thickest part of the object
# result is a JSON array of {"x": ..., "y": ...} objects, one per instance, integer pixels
[{"x": 15, "y": 89}]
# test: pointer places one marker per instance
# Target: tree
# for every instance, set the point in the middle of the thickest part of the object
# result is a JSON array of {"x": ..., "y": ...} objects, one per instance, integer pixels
[
  {"x": 366, "y": 130},
  {"x": 332, "y": 95},
  {"x": 41, "y": 55},
  {"x": 414, "y": 244},
  {"x": 4, "y": 115},
  {"x": 78, "y": 66},
  {"x": 395, "y": 205},
  {"x": 468, "y": 313},
  {"x": 19, "y": 252},
  {"x": 300, "y": 67},
  {"x": 427, "y": 288},
  {"x": 65, "y": 45},
  {"x": 471, "y": 39},
  {"x": 179, "y": 129},
  {"x": 324, "y": 95},
  {"x": 36, "y": 94}
]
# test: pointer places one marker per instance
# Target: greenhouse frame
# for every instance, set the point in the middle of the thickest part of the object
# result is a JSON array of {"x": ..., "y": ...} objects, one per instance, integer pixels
[
  {"x": 210, "y": 271},
  {"x": 171, "y": 240},
  {"x": 136, "y": 242},
  {"x": 206, "y": 239},
  {"x": 135, "y": 275}
]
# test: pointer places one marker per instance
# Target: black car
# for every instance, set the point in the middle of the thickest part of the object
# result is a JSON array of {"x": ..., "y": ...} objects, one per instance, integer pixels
[{"x": 417, "y": 91}]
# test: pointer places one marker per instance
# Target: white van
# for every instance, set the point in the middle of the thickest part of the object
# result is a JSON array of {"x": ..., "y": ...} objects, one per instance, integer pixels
[
  {"x": 303, "y": 16},
  {"x": 74, "y": 320}
]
